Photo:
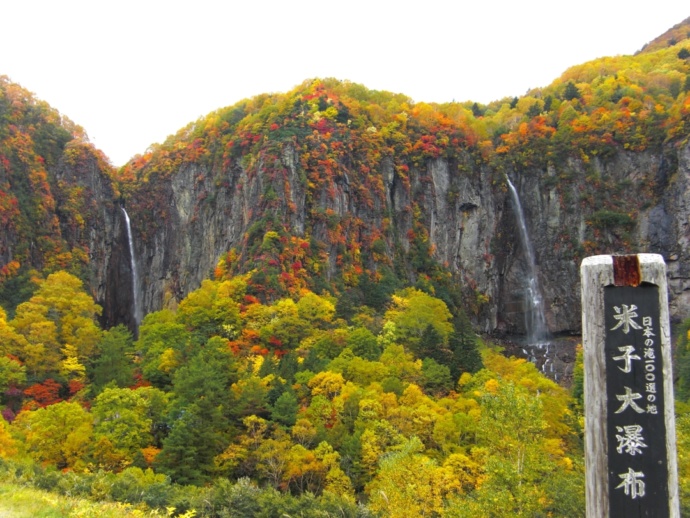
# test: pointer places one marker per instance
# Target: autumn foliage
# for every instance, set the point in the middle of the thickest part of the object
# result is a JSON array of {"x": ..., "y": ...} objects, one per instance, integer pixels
[{"x": 329, "y": 365}]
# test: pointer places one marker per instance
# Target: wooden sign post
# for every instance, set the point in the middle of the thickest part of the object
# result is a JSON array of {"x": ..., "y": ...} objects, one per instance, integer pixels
[{"x": 630, "y": 435}]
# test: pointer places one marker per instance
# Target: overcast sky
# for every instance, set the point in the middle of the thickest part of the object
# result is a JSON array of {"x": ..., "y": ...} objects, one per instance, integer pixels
[{"x": 133, "y": 72}]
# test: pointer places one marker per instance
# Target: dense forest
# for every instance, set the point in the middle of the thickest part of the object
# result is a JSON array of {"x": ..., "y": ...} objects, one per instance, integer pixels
[{"x": 322, "y": 367}]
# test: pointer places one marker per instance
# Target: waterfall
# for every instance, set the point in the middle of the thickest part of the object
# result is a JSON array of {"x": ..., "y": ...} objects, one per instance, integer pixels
[
  {"x": 535, "y": 322},
  {"x": 136, "y": 292}
]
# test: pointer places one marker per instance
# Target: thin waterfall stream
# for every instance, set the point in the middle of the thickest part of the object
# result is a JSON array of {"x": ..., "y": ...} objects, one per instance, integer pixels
[
  {"x": 136, "y": 292},
  {"x": 535, "y": 321}
]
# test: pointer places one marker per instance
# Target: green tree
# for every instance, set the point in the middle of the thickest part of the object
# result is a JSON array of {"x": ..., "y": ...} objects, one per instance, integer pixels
[
  {"x": 436, "y": 377},
  {"x": 114, "y": 359},
  {"x": 571, "y": 92},
  {"x": 12, "y": 373},
  {"x": 432, "y": 345},
  {"x": 162, "y": 345},
  {"x": 200, "y": 414},
  {"x": 363, "y": 343},
  {"x": 206, "y": 377},
  {"x": 476, "y": 110},
  {"x": 157, "y": 406},
  {"x": 376, "y": 294},
  {"x": 194, "y": 440},
  {"x": 534, "y": 110},
  {"x": 464, "y": 348},
  {"x": 210, "y": 310},
  {"x": 285, "y": 409},
  {"x": 122, "y": 416},
  {"x": 250, "y": 396}
]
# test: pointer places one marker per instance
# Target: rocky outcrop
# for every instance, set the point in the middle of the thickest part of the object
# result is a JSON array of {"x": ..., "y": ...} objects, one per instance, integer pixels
[
  {"x": 569, "y": 215},
  {"x": 626, "y": 203},
  {"x": 666, "y": 229},
  {"x": 90, "y": 220}
]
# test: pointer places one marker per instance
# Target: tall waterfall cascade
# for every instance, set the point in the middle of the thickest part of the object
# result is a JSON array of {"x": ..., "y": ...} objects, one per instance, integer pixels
[
  {"x": 535, "y": 321},
  {"x": 136, "y": 291}
]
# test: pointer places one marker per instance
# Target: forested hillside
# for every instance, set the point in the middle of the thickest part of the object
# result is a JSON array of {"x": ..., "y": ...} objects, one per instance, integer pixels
[
  {"x": 323, "y": 273},
  {"x": 293, "y": 395},
  {"x": 53, "y": 187}
]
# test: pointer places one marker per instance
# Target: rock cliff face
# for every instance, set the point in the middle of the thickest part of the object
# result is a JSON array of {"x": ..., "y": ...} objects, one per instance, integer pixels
[
  {"x": 66, "y": 219},
  {"x": 200, "y": 219},
  {"x": 652, "y": 189},
  {"x": 82, "y": 172},
  {"x": 96, "y": 228},
  {"x": 626, "y": 203}
]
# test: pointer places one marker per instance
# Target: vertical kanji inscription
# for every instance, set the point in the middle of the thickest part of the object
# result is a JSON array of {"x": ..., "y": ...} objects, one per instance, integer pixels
[{"x": 636, "y": 430}]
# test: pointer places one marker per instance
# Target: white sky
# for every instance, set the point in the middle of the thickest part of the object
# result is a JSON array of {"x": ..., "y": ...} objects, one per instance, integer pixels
[{"x": 133, "y": 72}]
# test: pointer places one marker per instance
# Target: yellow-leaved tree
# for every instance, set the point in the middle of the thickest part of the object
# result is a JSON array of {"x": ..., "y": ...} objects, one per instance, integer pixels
[
  {"x": 60, "y": 434},
  {"x": 58, "y": 324},
  {"x": 413, "y": 311},
  {"x": 8, "y": 446}
]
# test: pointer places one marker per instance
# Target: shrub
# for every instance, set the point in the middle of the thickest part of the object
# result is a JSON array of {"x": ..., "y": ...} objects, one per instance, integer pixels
[{"x": 135, "y": 485}]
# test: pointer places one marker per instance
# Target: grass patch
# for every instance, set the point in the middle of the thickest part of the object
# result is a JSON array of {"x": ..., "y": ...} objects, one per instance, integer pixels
[{"x": 26, "y": 502}]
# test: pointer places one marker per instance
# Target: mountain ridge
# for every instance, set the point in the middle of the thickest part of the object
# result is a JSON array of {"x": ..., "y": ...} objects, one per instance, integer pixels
[{"x": 375, "y": 186}]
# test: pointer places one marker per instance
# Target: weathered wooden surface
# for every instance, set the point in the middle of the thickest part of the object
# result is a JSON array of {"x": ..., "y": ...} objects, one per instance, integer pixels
[{"x": 597, "y": 273}]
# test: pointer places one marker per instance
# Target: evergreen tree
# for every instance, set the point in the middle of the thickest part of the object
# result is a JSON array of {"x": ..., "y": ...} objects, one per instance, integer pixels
[
  {"x": 571, "y": 92},
  {"x": 463, "y": 345},
  {"x": 114, "y": 361},
  {"x": 431, "y": 345},
  {"x": 476, "y": 110},
  {"x": 534, "y": 110},
  {"x": 284, "y": 410},
  {"x": 195, "y": 439},
  {"x": 199, "y": 416},
  {"x": 288, "y": 367},
  {"x": 436, "y": 376}
]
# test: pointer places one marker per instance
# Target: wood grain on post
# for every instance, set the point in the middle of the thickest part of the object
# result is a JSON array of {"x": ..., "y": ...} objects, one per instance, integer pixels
[{"x": 602, "y": 274}]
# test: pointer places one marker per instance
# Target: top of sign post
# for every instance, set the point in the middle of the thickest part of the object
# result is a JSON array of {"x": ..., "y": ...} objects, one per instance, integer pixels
[{"x": 627, "y": 270}]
